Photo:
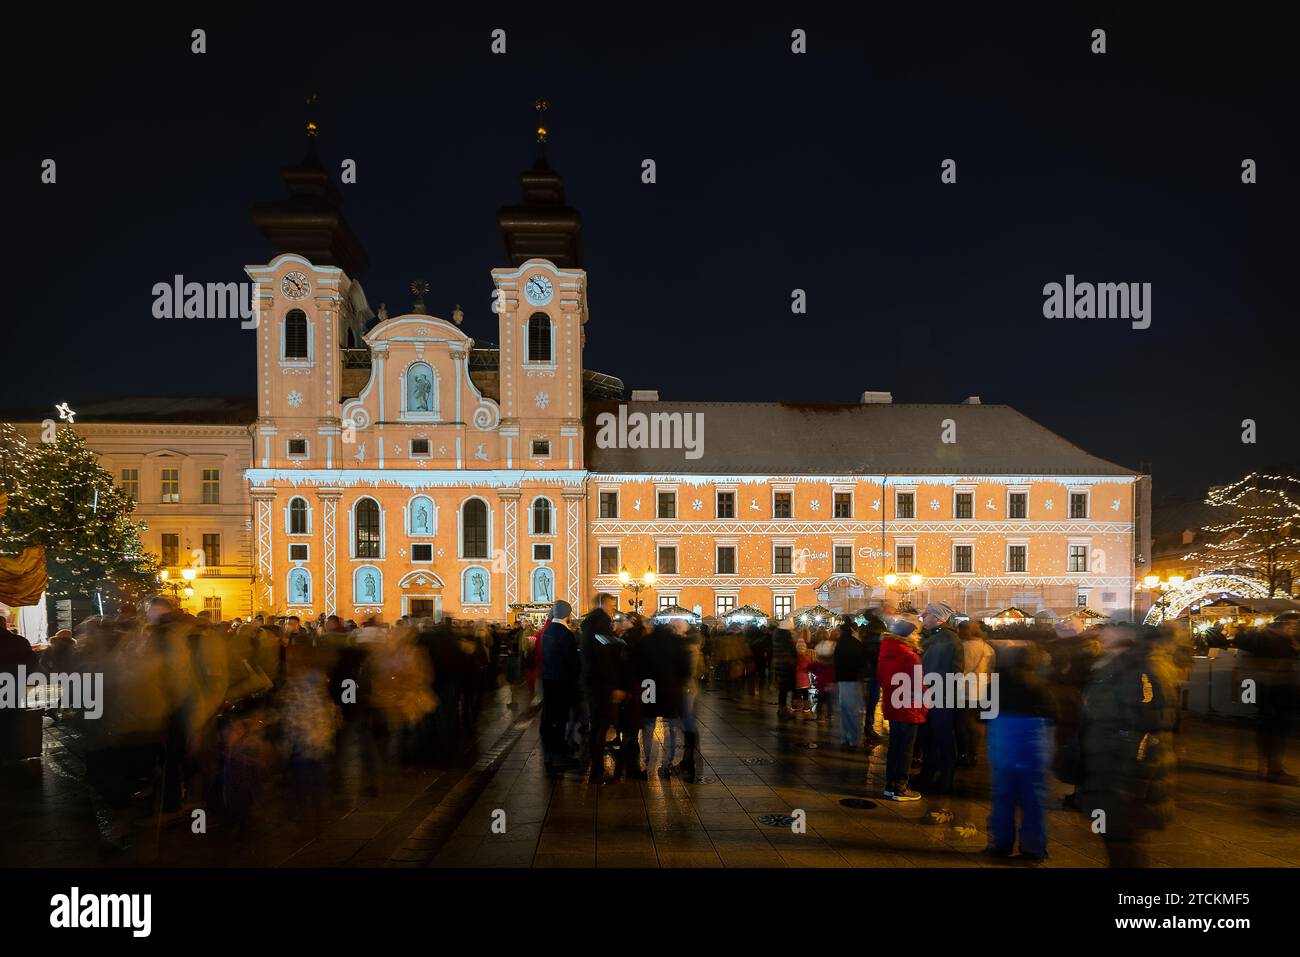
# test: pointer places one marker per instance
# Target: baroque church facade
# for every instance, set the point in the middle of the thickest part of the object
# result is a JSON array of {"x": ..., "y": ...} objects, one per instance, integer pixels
[{"x": 400, "y": 468}]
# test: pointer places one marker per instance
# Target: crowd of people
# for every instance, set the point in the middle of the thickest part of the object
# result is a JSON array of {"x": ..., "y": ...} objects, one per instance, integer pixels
[
  {"x": 1096, "y": 707},
  {"x": 199, "y": 713},
  {"x": 206, "y": 714}
]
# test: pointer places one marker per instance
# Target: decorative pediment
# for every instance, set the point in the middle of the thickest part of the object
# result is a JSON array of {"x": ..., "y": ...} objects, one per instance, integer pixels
[{"x": 420, "y": 578}]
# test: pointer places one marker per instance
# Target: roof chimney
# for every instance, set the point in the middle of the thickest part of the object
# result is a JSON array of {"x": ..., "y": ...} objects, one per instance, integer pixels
[
  {"x": 877, "y": 398},
  {"x": 645, "y": 395},
  {"x": 971, "y": 400}
]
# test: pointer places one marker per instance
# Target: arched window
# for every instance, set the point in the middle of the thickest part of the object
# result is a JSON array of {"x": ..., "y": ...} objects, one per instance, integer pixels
[
  {"x": 539, "y": 337},
  {"x": 299, "y": 587},
  {"x": 475, "y": 586},
  {"x": 295, "y": 334},
  {"x": 298, "y": 516},
  {"x": 420, "y": 516},
  {"x": 543, "y": 585},
  {"x": 365, "y": 519},
  {"x": 474, "y": 529},
  {"x": 367, "y": 585},
  {"x": 421, "y": 389},
  {"x": 541, "y": 516}
]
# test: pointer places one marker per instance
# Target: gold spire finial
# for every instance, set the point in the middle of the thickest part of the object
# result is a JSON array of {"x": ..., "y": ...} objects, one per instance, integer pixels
[
  {"x": 311, "y": 108},
  {"x": 419, "y": 287},
  {"x": 541, "y": 106}
]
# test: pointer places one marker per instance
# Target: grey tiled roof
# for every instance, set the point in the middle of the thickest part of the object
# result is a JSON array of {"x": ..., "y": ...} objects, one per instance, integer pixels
[{"x": 789, "y": 438}]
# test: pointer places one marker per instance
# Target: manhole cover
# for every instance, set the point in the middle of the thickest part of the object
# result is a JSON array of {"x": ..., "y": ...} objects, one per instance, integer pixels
[
  {"x": 758, "y": 760},
  {"x": 858, "y": 804},
  {"x": 776, "y": 820}
]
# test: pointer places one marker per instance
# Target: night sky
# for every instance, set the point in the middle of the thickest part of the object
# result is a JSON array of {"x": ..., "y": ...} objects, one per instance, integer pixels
[{"x": 775, "y": 172}]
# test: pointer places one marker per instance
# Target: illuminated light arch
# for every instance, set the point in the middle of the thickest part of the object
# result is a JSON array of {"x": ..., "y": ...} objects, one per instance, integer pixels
[{"x": 1194, "y": 591}]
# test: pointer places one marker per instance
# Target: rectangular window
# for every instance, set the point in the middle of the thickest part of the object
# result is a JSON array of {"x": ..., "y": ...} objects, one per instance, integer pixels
[
  {"x": 963, "y": 505},
  {"x": 1016, "y": 558},
  {"x": 298, "y": 552},
  {"x": 420, "y": 448},
  {"x": 726, "y": 505},
  {"x": 783, "y": 560},
  {"x": 609, "y": 505},
  {"x": 171, "y": 550},
  {"x": 1081, "y": 600},
  {"x": 212, "y": 486},
  {"x": 212, "y": 605},
  {"x": 1018, "y": 505},
  {"x": 297, "y": 448},
  {"x": 726, "y": 559},
  {"x": 782, "y": 606},
  {"x": 843, "y": 505},
  {"x": 212, "y": 549},
  {"x": 667, "y": 559},
  {"x": 131, "y": 484},
  {"x": 961, "y": 558},
  {"x": 844, "y": 559},
  {"x": 905, "y": 505},
  {"x": 1078, "y": 558},
  {"x": 609, "y": 559},
  {"x": 422, "y": 551},
  {"x": 667, "y": 601},
  {"x": 541, "y": 553},
  {"x": 782, "y": 504},
  {"x": 667, "y": 505},
  {"x": 905, "y": 559},
  {"x": 541, "y": 448},
  {"x": 170, "y": 480},
  {"x": 726, "y": 604},
  {"x": 1078, "y": 505}
]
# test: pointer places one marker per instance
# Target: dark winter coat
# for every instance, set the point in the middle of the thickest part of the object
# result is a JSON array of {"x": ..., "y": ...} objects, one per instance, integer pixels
[
  {"x": 1129, "y": 710},
  {"x": 560, "y": 660},
  {"x": 850, "y": 658},
  {"x": 664, "y": 659}
]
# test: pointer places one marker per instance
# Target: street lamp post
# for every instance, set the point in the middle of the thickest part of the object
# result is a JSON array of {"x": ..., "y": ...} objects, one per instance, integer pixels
[
  {"x": 904, "y": 586},
  {"x": 647, "y": 579}
]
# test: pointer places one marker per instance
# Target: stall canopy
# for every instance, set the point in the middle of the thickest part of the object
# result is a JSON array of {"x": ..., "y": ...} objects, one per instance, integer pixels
[
  {"x": 814, "y": 616},
  {"x": 746, "y": 614},
  {"x": 669, "y": 612},
  {"x": 1001, "y": 617}
]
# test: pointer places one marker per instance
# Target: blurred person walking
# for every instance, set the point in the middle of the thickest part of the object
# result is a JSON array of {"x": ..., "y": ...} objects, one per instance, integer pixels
[
  {"x": 1129, "y": 711},
  {"x": 850, "y": 659},
  {"x": 1020, "y": 752}
]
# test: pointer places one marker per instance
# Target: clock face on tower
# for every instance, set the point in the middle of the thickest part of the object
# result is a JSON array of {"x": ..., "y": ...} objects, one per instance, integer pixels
[
  {"x": 295, "y": 286},
  {"x": 537, "y": 290}
]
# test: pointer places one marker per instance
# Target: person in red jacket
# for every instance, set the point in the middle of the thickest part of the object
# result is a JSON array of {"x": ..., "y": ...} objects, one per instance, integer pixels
[{"x": 900, "y": 654}]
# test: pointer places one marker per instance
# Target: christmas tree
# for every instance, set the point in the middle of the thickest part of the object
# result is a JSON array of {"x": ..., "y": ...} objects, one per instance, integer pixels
[
  {"x": 62, "y": 499},
  {"x": 1260, "y": 531}
]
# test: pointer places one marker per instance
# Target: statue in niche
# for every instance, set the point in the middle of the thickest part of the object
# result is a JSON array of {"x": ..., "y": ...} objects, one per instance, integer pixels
[
  {"x": 421, "y": 391},
  {"x": 477, "y": 586},
  {"x": 368, "y": 587},
  {"x": 543, "y": 587},
  {"x": 300, "y": 588},
  {"x": 422, "y": 518}
]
